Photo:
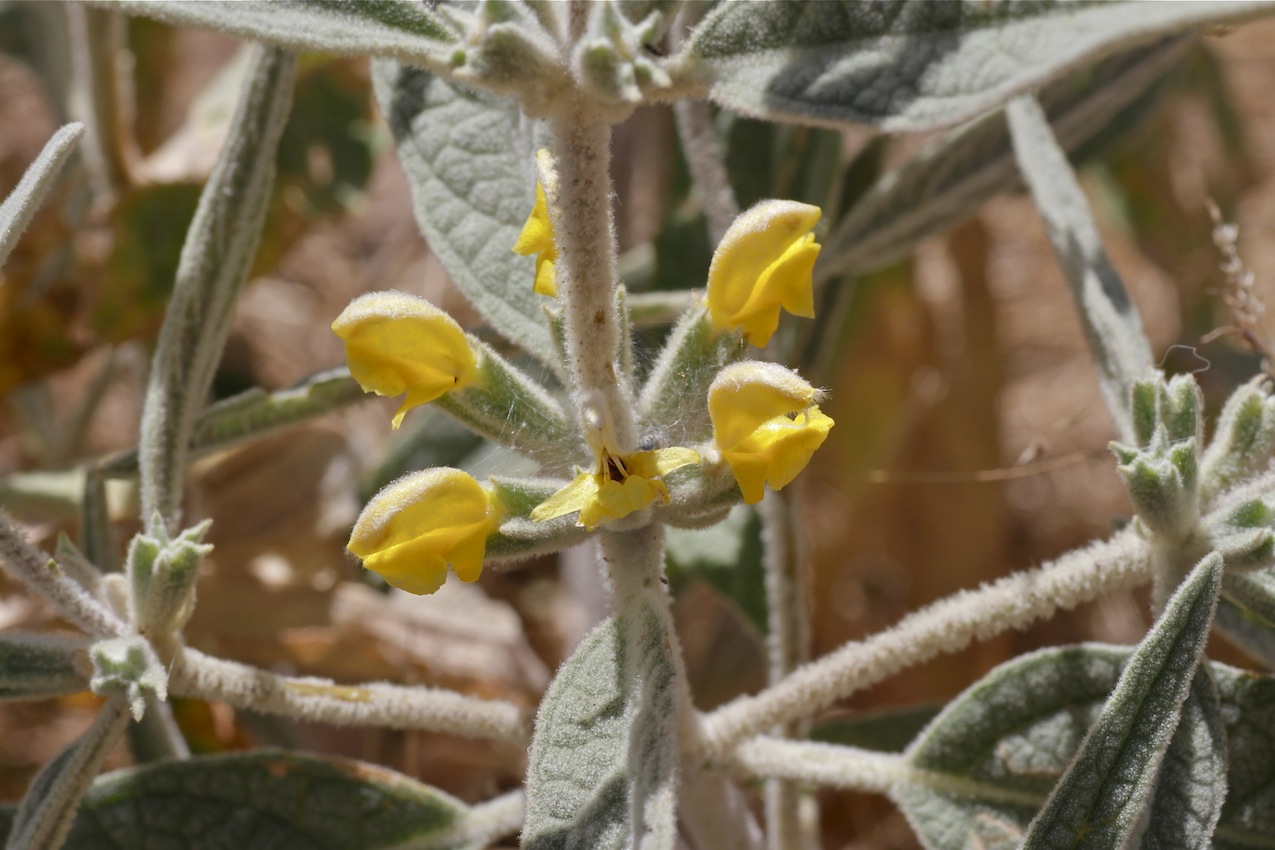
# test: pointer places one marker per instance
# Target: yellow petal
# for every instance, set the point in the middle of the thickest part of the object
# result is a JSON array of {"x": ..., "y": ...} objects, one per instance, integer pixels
[
  {"x": 616, "y": 499},
  {"x": 416, "y": 526},
  {"x": 763, "y": 263},
  {"x": 765, "y": 424},
  {"x": 744, "y": 395},
  {"x": 397, "y": 343},
  {"x": 537, "y": 238},
  {"x": 667, "y": 460},
  {"x": 582, "y": 490}
]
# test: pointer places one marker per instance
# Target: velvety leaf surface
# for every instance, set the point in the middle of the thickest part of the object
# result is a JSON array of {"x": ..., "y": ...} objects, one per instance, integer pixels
[
  {"x": 604, "y": 756},
  {"x": 991, "y": 759},
  {"x": 908, "y": 65},
  {"x": 469, "y": 161},
  {"x": 276, "y": 800},
  {"x": 954, "y": 175},
  {"x": 35, "y": 665},
  {"x": 1112, "y": 325},
  {"x": 399, "y": 28}
]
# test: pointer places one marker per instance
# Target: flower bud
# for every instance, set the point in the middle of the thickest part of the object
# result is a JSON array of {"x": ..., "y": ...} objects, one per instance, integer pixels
[
  {"x": 398, "y": 343},
  {"x": 764, "y": 262},
  {"x": 765, "y": 424},
  {"x": 413, "y": 529}
]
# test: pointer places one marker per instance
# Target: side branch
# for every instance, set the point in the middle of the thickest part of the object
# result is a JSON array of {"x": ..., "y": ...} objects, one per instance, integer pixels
[
  {"x": 946, "y": 626},
  {"x": 857, "y": 769},
  {"x": 201, "y": 676},
  {"x": 42, "y": 575}
]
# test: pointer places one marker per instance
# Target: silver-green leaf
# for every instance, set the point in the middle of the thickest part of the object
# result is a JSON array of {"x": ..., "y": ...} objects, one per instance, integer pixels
[
  {"x": 19, "y": 207},
  {"x": 1112, "y": 325},
  {"x": 215, "y": 261},
  {"x": 958, "y": 172},
  {"x": 602, "y": 772},
  {"x": 987, "y": 764},
  {"x": 1104, "y": 797},
  {"x": 403, "y": 29},
  {"x": 48, "y": 809},
  {"x": 909, "y": 65},
  {"x": 469, "y": 161},
  {"x": 255, "y": 413},
  {"x": 285, "y": 801},
  {"x": 35, "y": 666}
]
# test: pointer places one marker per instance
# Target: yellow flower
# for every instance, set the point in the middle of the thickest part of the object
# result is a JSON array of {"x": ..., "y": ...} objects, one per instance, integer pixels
[
  {"x": 415, "y": 527},
  {"x": 765, "y": 424},
  {"x": 621, "y": 485},
  {"x": 764, "y": 262},
  {"x": 537, "y": 238},
  {"x": 398, "y": 343}
]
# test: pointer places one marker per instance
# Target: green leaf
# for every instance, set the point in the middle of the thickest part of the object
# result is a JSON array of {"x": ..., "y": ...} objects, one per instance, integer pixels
[
  {"x": 214, "y": 263},
  {"x": 1248, "y": 704},
  {"x": 1254, "y": 591},
  {"x": 956, "y": 174},
  {"x": 1192, "y": 782},
  {"x": 990, "y": 760},
  {"x": 50, "y": 805},
  {"x": 908, "y": 65},
  {"x": 1114, "y": 329},
  {"x": 470, "y": 164},
  {"x": 35, "y": 666},
  {"x": 17, "y": 210},
  {"x": 403, "y": 29},
  {"x": 283, "y": 801},
  {"x": 256, "y": 412},
  {"x": 1103, "y": 798},
  {"x": 510, "y": 409},
  {"x": 602, "y": 771}
]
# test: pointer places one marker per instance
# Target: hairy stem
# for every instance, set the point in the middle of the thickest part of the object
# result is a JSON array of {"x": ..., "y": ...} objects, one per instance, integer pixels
[
  {"x": 586, "y": 268},
  {"x": 704, "y": 159},
  {"x": 322, "y": 701},
  {"x": 946, "y": 626},
  {"x": 787, "y": 647},
  {"x": 858, "y": 770},
  {"x": 42, "y": 575},
  {"x": 634, "y": 562},
  {"x": 47, "y": 813}
]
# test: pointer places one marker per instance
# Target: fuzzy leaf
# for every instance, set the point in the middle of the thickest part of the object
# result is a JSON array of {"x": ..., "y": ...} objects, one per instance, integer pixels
[
  {"x": 214, "y": 264},
  {"x": 957, "y": 173},
  {"x": 400, "y": 28},
  {"x": 19, "y": 207},
  {"x": 469, "y": 161},
  {"x": 1103, "y": 797},
  {"x": 278, "y": 800},
  {"x": 993, "y": 755},
  {"x": 602, "y": 771},
  {"x": 1248, "y": 704},
  {"x": 256, "y": 413},
  {"x": 49, "y": 807},
  {"x": 908, "y": 65},
  {"x": 510, "y": 409},
  {"x": 34, "y": 666},
  {"x": 1111, "y": 321},
  {"x": 1254, "y": 591}
]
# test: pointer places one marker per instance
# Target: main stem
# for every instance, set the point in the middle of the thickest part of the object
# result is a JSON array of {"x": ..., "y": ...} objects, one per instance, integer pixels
[{"x": 586, "y": 267}]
